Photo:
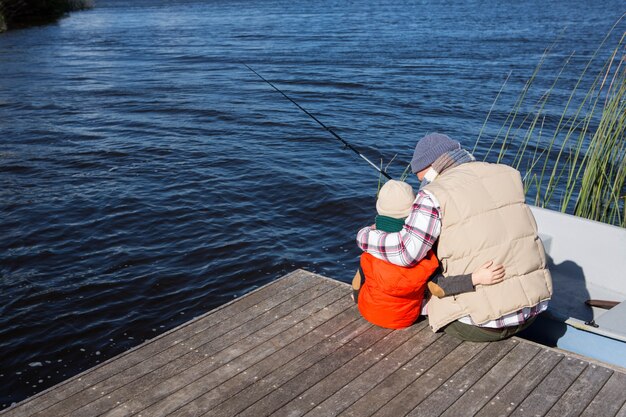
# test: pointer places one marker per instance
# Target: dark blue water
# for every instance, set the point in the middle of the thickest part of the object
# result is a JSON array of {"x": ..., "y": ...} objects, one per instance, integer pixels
[{"x": 146, "y": 176}]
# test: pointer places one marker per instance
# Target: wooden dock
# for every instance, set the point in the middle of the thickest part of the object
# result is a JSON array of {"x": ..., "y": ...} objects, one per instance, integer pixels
[{"x": 299, "y": 347}]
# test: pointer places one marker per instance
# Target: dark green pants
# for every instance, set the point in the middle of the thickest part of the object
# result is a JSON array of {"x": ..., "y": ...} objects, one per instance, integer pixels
[{"x": 479, "y": 334}]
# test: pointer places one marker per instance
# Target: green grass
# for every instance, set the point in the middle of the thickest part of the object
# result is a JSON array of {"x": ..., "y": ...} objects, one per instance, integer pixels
[
  {"x": 23, "y": 13},
  {"x": 578, "y": 164}
]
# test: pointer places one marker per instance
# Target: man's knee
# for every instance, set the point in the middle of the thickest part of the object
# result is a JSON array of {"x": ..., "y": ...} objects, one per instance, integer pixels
[{"x": 471, "y": 333}]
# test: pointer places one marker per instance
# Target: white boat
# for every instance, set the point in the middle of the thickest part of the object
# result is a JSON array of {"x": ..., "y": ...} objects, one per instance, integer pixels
[{"x": 587, "y": 260}]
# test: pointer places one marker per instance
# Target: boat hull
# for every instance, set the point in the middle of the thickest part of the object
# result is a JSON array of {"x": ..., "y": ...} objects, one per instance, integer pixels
[
  {"x": 578, "y": 338},
  {"x": 586, "y": 260}
]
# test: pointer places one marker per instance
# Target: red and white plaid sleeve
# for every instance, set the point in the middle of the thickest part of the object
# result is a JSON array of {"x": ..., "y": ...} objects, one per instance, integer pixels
[{"x": 410, "y": 245}]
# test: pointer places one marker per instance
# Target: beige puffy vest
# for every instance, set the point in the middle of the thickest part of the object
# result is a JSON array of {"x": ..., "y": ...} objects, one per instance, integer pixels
[{"x": 484, "y": 217}]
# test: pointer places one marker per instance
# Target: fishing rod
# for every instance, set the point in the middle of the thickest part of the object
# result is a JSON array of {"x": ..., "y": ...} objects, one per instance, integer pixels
[{"x": 346, "y": 144}]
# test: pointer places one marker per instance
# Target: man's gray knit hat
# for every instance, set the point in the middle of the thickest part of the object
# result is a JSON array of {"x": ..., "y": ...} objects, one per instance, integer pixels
[{"x": 429, "y": 148}]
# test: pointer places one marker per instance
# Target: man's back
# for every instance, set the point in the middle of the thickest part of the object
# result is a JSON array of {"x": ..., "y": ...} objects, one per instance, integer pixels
[{"x": 484, "y": 217}]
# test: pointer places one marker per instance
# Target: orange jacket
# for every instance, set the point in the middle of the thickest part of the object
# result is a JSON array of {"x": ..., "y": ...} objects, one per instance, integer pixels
[{"x": 392, "y": 295}]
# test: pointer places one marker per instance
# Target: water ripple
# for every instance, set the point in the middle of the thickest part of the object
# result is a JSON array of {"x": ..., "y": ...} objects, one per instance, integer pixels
[{"x": 147, "y": 176}]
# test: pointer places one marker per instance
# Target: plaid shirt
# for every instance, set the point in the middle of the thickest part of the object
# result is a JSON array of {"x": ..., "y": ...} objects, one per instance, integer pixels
[
  {"x": 419, "y": 234},
  {"x": 514, "y": 319},
  {"x": 410, "y": 245}
]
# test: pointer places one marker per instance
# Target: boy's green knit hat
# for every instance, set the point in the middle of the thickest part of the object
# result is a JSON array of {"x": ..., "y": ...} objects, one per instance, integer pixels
[{"x": 395, "y": 199}]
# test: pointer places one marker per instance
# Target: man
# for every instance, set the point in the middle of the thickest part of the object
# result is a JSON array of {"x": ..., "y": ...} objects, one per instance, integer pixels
[{"x": 475, "y": 212}]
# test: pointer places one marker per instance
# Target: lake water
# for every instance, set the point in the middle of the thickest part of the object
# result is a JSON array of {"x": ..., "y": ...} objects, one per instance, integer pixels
[{"x": 147, "y": 176}]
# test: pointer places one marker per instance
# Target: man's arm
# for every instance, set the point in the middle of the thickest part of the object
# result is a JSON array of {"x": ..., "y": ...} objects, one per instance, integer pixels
[
  {"x": 441, "y": 286},
  {"x": 408, "y": 246},
  {"x": 487, "y": 274}
]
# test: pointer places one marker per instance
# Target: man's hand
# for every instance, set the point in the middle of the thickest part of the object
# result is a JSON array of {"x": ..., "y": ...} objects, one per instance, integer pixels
[{"x": 488, "y": 274}]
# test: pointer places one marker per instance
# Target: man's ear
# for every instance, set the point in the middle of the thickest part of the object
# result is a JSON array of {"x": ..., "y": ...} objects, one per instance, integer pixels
[{"x": 431, "y": 174}]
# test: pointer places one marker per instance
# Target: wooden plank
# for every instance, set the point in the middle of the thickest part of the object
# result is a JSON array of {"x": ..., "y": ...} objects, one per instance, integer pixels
[
  {"x": 297, "y": 383},
  {"x": 182, "y": 351},
  {"x": 333, "y": 350},
  {"x": 507, "y": 399},
  {"x": 181, "y": 357},
  {"x": 429, "y": 381},
  {"x": 308, "y": 344},
  {"x": 610, "y": 399},
  {"x": 403, "y": 377},
  {"x": 285, "y": 288},
  {"x": 299, "y": 346},
  {"x": 581, "y": 392},
  {"x": 480, "y": 393},
  {"x": 320, "y": 381},
  {"x": 461, "y": 381},
  {"x": 345, "y": 386},
  {"x": 550, "y": 390},
  {"x": 198, "y": 361},
  {"x": 180, "y": 391}
]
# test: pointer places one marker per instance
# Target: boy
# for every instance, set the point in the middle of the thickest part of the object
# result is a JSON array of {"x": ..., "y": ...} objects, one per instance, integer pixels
[{"x": 391, "y": 296}]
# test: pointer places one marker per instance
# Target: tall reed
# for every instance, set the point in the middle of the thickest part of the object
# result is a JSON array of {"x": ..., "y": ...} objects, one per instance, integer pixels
[{"x": 577, "y": 164}]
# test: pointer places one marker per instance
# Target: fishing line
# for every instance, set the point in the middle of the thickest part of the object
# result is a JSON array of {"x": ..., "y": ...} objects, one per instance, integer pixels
[{"x": 346, "y": 144}]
